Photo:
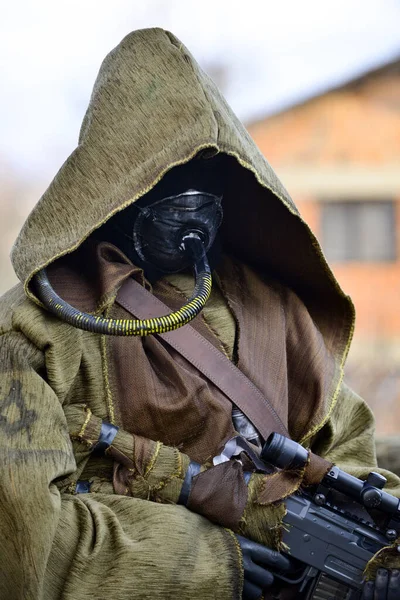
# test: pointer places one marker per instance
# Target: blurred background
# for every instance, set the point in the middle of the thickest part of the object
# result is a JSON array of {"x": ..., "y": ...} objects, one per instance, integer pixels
[{"x": 316, "y": 83}]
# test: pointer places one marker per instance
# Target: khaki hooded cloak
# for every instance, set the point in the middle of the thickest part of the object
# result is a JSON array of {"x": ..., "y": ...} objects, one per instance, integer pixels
[{"x": 276, "y": 310}]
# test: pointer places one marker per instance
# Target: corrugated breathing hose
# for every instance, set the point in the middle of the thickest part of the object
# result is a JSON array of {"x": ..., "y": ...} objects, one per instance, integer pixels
[{"x": 191, "y": 244}]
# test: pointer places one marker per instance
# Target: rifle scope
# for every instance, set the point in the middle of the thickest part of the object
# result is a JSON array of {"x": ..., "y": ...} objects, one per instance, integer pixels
[{"x": 284, "y": 453}]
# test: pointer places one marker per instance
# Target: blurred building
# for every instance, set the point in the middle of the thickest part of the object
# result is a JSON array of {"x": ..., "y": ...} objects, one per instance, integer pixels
[{"x": 338, "y": 154}]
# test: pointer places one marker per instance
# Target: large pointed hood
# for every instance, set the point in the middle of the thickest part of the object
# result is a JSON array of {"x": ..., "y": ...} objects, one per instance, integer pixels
[{"x": 153, "y": 108}]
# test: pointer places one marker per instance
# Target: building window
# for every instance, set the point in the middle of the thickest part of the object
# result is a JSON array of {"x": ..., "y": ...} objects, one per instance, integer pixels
[{"x": 359, "y": 230}]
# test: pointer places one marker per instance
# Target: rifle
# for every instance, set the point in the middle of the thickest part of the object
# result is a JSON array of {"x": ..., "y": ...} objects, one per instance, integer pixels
[{"x": 329, "y": 529}]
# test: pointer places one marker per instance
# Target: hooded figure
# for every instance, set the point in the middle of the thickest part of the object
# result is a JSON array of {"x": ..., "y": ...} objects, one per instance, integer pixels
[{"x": 82, "y": 519}]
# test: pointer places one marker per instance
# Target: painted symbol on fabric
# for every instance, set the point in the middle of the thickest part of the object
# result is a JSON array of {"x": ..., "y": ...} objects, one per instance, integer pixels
[{"x": 19, "y": 416}]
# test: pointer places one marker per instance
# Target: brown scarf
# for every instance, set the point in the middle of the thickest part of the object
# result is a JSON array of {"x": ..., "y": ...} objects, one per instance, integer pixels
[{"x": 159, "y": 395}]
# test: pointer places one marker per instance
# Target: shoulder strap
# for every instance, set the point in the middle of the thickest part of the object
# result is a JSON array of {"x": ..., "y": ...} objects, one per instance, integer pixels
[{"x": 207, "y": 359}]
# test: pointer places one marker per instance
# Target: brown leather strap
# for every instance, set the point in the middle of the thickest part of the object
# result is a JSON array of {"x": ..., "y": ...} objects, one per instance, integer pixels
[{"x": 207, "y": 359}]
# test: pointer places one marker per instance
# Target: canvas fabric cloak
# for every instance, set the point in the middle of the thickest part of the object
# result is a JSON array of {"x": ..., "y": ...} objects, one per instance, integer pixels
[{"x": 276, "y": 310}]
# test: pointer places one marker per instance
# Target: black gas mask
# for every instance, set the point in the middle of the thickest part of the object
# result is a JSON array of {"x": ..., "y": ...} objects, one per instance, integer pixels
[
  {"x": 168, "y": 230},
  {"x": 160, "y": 233}
]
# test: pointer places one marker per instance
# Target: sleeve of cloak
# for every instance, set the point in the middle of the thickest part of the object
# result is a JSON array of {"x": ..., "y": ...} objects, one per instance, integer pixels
[
  {"x": 57, "y": 545},
  {"x": 348, "y": 439}
]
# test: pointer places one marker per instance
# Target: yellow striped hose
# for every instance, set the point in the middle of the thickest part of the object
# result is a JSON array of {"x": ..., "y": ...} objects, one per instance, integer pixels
[{"x": 99, "y": 324}]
